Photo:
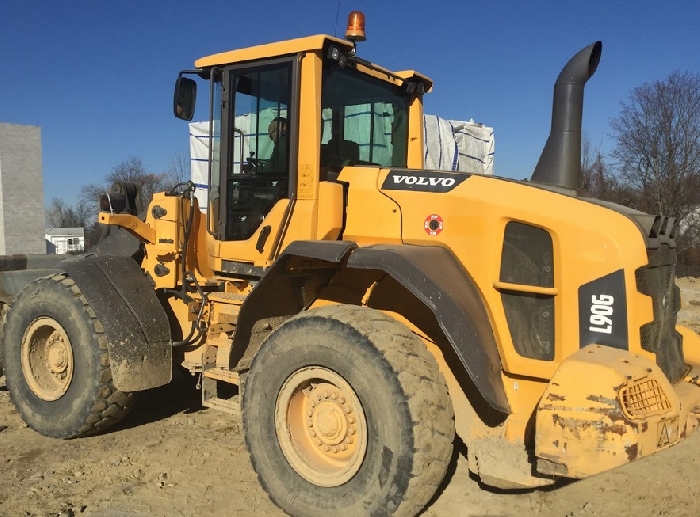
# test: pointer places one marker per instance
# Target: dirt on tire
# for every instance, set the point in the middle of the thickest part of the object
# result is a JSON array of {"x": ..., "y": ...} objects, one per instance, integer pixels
[{"x": 171, "y": 457}]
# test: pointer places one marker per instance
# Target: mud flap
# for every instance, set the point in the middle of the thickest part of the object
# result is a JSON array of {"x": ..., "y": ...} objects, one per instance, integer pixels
[{"x": 135, "y": 323}]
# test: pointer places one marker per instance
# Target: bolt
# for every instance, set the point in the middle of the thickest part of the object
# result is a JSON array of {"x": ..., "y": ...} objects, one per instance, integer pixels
[
  {"x": 347, "y": 409},
  {"x": 351, "y": 430},
  {"x": 351, "y": 419},
  {"x": 318, "y": 441},
  {"x": 341, "y": 400},
  {"x": 334, "y": 395},
  {"x": 345, "y": 447},
  {"x": 326, "y": 447},
  {"x": 326, "y": 394},
  {"x": 350, "y": 439},
  {"x": 309, "y": 412},
  {"x": 336, "y": 449}
]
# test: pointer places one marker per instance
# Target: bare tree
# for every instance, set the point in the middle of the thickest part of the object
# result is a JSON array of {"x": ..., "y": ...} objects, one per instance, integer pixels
[
  {"x": 658, "y": 144},
  {"x": 130, "y": 170},
  {"x": 60, "y": 215},
  {"x": 598, "y": 178},
  {"x": 179, "y": 170}
]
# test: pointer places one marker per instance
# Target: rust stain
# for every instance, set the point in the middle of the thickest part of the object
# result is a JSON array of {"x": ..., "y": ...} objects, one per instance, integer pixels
[
  {"x": 632, "y": 452},
  {"x": 552, "y": 407},
  {"x": 613, "y": 411},
  {"x": 602, "y": 400},
  {"x": 577, "y": 427},
  {"x": 555, "y": 397}
]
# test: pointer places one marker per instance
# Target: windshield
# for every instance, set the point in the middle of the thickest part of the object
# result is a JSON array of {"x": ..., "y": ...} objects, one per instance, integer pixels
[{"x": 364, "y": 119}]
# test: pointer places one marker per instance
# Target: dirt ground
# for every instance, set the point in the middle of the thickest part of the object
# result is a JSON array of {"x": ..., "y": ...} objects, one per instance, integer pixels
[{"x": 172, "y": 457}]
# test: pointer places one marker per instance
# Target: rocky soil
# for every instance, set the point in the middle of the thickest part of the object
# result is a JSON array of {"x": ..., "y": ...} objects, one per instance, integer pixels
[{"x": 171, "y": 457}]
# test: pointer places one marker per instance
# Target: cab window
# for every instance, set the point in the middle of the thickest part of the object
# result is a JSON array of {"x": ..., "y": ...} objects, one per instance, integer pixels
[
  {"x": 259, "y": 146},
  {"x": 364, "y": 120}
]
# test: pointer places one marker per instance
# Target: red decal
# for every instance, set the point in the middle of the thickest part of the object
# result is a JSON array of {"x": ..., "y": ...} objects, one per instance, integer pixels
[{"x": 433, "y": 224}]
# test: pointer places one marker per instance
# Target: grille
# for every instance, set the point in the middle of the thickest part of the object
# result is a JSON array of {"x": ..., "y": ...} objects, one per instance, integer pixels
[
  {"x": 527, "y": 260},
  {"x": 643, "y": 399},
  {"x": 660, "y": 336}
]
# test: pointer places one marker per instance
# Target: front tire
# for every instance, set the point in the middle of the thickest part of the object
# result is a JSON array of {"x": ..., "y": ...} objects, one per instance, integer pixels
[
  {"x": 57, "y": 364},
  {"x": 346, "y": 413}
]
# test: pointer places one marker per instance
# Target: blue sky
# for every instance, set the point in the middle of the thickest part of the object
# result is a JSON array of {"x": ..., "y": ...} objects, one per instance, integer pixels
[{"x": 98, "y": 76}]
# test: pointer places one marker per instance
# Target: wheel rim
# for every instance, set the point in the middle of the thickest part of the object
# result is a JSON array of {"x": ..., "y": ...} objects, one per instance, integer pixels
[
  {"x": 47, "y": 359},
  {"x": 321, "y": 426}
]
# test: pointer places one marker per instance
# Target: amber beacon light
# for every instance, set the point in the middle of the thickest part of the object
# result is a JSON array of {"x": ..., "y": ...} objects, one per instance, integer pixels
[{"x": 356, "y": 27}]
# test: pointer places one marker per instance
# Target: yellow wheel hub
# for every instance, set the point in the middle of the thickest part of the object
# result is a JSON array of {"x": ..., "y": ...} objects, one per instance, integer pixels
[
  {"x": 47, "y": 359},
  {"x": 321, "y": 426}
]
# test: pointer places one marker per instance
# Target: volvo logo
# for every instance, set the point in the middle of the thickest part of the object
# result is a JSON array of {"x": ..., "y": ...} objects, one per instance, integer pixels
[{"x": 424, "y": 181}]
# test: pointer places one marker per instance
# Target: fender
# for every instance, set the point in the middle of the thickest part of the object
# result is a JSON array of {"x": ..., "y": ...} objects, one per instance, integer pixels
[
  {"x": 431, "y": 274},
  {"x": 434, "y": 276},
  {"x": 134, "y": 321}
]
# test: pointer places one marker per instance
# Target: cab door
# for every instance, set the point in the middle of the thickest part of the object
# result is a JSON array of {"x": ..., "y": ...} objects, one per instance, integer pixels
[{"x": 258, "y": 140}]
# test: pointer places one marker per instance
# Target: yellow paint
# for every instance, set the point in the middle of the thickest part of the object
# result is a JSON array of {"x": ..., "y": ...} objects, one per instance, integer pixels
[
  {"x": 130, "y": 222},
  {"x": 371, "y": 217},
  {"x": 589, "y": 242},
  {"x": 269, "y": 50},
  {"x": 416, "y": 146},
  {"x": 582, "y": 424}
]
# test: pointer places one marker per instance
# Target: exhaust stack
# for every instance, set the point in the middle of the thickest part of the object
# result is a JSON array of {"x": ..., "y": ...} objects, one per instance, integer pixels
[{"x": 560, "y": 161}]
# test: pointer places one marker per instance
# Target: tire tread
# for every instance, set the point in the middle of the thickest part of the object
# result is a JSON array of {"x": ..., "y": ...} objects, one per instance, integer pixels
[
  {"x": 109, "y": 405},
  {"x": 428, "y": 398}
]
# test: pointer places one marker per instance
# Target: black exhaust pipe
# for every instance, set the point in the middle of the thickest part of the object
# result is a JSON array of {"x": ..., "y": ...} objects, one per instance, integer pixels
[{"x": 560, "y": 161}]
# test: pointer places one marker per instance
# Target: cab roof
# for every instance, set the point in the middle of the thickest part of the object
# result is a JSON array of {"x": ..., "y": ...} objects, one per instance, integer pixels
[
  {"x": 289, "y": 47},
  {"x": 278, "y": 48}
]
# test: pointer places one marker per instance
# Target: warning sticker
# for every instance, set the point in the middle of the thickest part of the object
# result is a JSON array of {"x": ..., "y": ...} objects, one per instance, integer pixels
[
  {"x": 666, "y": 432},
  {"x": 433, "y": 224}
]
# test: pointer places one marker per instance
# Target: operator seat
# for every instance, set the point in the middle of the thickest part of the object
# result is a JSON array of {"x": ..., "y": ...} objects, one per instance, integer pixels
[{"x": 337, "y": 153}]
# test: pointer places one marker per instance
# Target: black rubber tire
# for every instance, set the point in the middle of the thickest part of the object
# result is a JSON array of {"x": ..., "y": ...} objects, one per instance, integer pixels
[
  {"x": 91, "y": 403},
  {"x": 408, "y": 411}
]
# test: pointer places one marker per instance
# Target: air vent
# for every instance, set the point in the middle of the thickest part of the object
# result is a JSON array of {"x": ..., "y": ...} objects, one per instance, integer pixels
[
  {"x": 643, "y": 399},
  {"x": 527, "y": 265}
]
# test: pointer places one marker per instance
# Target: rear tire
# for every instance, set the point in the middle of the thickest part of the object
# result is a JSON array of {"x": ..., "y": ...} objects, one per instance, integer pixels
[
  {"x": 346, "y": 413},
  {"x": 57, "y": 364}
]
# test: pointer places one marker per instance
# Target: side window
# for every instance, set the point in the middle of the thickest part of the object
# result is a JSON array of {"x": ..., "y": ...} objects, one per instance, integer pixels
[
  {"x": 364, "y": 120},
  {"x": 259, "y": 143}
]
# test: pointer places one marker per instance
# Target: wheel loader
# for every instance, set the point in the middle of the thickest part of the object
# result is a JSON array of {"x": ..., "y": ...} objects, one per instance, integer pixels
[{"x": 358, "y": 313}]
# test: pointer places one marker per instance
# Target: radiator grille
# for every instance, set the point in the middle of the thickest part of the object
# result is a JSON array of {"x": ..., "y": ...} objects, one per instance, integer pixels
[
  {"x": 660, "y": 336},
  {"x": 527, "y": 260},
  {"x": 643, "y": 399}
]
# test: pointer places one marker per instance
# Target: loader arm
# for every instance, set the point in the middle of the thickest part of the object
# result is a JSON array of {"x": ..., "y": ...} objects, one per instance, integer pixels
[{"x": 132, "y": 224}]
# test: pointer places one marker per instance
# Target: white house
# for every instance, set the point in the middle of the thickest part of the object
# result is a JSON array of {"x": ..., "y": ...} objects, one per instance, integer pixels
[{"x": 65, "y": 240}]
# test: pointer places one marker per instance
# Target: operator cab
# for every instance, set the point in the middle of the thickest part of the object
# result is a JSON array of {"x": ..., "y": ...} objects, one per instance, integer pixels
[{"x": 284, "y": 117}]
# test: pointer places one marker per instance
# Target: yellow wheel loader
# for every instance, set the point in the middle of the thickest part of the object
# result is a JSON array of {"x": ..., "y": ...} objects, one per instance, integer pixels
[{"x": 358, "y": 311}]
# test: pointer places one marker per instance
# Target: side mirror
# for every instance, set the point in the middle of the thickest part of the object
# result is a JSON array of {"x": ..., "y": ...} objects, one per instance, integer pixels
[{"x": 185, "y": 98}]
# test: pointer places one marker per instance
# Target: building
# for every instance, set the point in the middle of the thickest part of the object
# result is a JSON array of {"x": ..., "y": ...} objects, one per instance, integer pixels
[
  {"x": 65, "y": 240},
  {"x": 21, "y": 190}
]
